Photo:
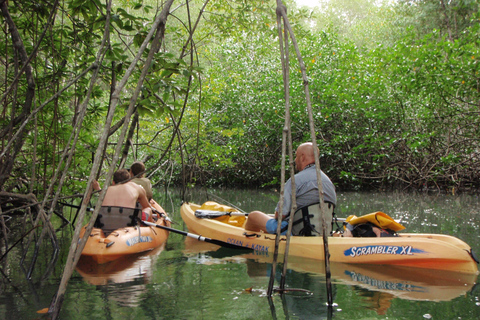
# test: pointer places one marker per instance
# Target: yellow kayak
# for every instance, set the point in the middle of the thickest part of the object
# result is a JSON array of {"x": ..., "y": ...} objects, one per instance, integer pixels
[
  {"x": 431, "y": 251},
  {"x": 123, "y": 241}
]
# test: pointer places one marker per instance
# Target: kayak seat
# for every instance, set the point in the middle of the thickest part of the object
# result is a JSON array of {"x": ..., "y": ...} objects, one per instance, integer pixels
[
  {"x": 308, "y": 220},
  {"x": 112, "y": 218}
]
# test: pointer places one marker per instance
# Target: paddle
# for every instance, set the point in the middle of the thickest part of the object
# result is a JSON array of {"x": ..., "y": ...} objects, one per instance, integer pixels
[
  {"x": 212, "y": 214},
  {"x": 221, "y": 200},
  {"x": 161, "y": 214},
  {"x": 198, "y": 237},
  {"x": 74, "y": 206}
]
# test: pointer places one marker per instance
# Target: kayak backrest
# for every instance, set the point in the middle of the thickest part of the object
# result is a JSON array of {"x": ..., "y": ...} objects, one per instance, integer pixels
[
  {"x": 112, "y": 218},
  {"x": 308, "y": 221}
]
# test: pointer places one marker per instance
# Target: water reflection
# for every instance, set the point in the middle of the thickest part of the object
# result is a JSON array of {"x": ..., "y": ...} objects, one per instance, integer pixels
[
  {"x": 189, "y": 283},
  {"x": 304, "y": 300},
  {"x": 123, "y": 280},
  {"x": 378, "y": 285}
]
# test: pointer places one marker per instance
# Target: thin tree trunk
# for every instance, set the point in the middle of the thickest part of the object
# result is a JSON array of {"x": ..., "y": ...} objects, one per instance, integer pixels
[
  {"x": 447, "y": 20},
  {"x": 281, "y": 11},
  {"x": 128, "y": 141},
  {"x": 6, "y": 164},
  {"x": 76, "y": 247},
  {"x": 317, "y": 157},
  {"x": 293, "y": 209}
]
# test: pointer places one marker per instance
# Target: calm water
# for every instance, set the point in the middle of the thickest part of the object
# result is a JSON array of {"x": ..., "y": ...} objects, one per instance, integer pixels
[{"x": 195, "y": 280}]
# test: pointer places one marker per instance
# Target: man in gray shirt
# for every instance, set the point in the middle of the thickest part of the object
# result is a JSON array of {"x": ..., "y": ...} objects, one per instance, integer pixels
[{"x": 306, "y": 192}]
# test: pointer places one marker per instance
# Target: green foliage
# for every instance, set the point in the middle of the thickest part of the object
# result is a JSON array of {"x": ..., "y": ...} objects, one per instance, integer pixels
[
  {"x": 384, "y": 113},
  {"x": 394, "y": 94}
]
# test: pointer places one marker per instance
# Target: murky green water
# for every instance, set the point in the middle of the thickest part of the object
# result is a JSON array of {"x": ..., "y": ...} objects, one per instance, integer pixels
[{"x": 192, "y": 280}]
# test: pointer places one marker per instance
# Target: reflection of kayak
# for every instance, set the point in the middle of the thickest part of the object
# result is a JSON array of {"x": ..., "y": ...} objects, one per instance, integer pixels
[
  {"x": 430, "y": 251},
  {"x": 124, "y": 269},
  {"x": 123, "y": 242},
  {"x": 403, "y": 282}
]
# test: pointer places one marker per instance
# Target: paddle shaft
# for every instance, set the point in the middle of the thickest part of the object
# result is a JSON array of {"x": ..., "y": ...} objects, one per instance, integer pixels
[
  {"x": 225, "y": 201},
  {"x": 74, "y": 206},
  {"x": 211, "y": 214},
  {"x": 91, "y": 209},
  {"x": 198, "y": 237},
  {"x": 163, "y": 215}
]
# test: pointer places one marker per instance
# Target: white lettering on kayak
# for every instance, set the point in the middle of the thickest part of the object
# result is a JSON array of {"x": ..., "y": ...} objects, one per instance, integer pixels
[
  {"x": 133, "y": 241},
  {"x": 383, "y": 284},
  {"x": 370, "y": 250},
  {"x": 235, "y": 242},
  {"x": 255, "y": 247}
]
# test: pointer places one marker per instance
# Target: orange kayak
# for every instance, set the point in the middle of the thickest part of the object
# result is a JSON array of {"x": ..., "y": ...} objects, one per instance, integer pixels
[{"x": 123, "y": 241}]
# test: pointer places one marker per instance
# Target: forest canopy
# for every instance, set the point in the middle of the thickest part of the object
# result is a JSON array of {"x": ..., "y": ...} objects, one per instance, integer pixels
[
  {"x": 198, "y": 94},
  {"x": 198, "y": 91}
]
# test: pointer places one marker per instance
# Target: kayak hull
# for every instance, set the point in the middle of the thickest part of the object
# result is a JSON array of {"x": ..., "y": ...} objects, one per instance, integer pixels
[
  {"x": 123, "y": 242},
  {"x": 431, "y": 251}
]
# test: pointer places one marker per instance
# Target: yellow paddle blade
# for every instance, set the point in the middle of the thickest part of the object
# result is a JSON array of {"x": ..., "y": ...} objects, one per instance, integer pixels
[{"x": 380, "y": 219}]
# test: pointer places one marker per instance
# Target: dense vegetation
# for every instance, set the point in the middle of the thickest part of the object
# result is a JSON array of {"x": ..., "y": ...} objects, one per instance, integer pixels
[
  {"x": 394, "y": 88},
  {"x": 195, "y": 90}
]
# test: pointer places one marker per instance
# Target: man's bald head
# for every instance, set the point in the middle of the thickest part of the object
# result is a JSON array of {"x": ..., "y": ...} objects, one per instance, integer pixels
[{"x": 304, "y": 155}]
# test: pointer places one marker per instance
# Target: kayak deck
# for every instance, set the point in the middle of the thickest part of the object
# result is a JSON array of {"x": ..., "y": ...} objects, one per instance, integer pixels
[
  {"x": 432, "y": 251},
  {"x": 123, "y": 241}
]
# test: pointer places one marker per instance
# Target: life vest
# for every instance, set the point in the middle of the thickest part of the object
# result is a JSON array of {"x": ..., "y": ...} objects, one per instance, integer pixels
[
  {"x": 307, "y": 221},
  {"x": 363, "y": 226}
]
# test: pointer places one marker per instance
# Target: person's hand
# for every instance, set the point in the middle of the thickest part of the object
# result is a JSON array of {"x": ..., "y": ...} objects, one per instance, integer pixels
[
  {"x": 377, "y": 231},
  {"x": 96, "y": 185}
]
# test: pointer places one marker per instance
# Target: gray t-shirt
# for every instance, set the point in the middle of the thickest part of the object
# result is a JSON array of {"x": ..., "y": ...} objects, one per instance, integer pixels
[
  {"x": 146, "y": 184},
  {"x": 307, "y": 190}
]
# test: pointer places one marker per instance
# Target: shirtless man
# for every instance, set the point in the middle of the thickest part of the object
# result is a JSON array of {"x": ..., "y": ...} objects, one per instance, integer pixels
[
  {"x": 125, "y": 194},
  {"x": 119, "y": 205}
]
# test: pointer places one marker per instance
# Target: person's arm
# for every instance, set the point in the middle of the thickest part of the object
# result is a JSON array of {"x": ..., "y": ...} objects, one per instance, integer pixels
[
  {"x": 142, "y": 196},
  {"x": 96, "y": 185}
]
